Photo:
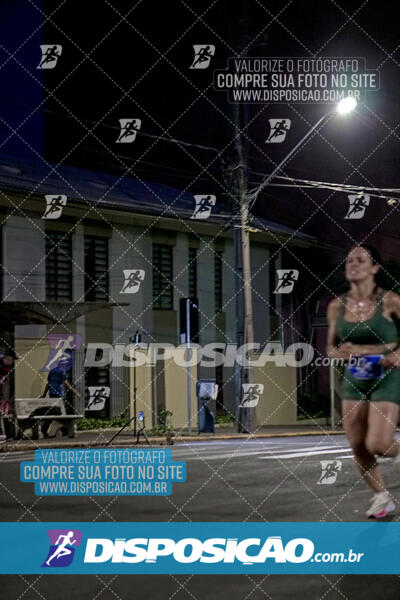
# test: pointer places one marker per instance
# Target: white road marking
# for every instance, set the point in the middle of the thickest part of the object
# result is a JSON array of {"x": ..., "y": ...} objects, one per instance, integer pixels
[{"x": 303, "y": 454}]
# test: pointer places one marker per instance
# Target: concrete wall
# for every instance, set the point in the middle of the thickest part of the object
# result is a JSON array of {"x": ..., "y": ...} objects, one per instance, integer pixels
[
  {"x": 144, "y": 381},
  {"x": 278, "y": 404},
  {"x": 129, "y": 248},
  {"x": 24, "y": 259},
  {"x": 176, "y": 394},
  {"x": 29, "y": 381}
]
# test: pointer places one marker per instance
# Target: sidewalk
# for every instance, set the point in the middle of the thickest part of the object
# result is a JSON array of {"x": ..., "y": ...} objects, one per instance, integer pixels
[{"x": 100, "y": 437}]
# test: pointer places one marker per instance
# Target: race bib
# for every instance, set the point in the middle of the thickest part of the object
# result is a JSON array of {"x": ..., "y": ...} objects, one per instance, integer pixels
[{"x": 366, "y": 367}]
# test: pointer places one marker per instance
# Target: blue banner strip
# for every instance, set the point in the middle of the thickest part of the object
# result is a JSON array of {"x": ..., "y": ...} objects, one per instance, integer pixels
[{"x": 199, "y": 548}]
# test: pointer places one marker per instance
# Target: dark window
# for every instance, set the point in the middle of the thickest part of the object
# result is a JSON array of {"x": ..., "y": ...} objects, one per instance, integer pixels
[
  {"x": 219, "y": 380},
  {"x": 96, "y": 268},
  {"x": 273, "y": 280},
  {"x": 192, "y": 272},
  {"x": 162, "y": 277},
  {"x": 218, "y": 280},
  {"x": 58, "y": 265}
]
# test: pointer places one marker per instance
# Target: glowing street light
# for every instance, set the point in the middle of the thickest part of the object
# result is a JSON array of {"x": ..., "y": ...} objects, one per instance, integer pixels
[{"x": 346, "y": 105}]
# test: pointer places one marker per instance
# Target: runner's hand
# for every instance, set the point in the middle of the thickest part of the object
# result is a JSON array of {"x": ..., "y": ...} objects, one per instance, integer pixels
[
  {"x": 345, "y": 350},
  {"x": 391, "y": 360}
]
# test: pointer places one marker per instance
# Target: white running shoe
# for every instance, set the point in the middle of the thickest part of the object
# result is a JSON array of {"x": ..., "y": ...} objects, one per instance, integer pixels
[
  {"x": 3, "y": 439},
  {"x": 381, "y": 505}
]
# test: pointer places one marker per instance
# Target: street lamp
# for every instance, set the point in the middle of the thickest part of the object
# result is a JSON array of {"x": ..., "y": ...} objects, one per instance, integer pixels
[{"x": 344, "y": 107}]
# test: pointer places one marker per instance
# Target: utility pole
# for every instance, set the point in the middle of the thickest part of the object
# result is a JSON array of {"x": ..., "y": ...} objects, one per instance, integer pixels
[
  {"x": 245, "y": 331},
  {"x": 235, "y": 177}
]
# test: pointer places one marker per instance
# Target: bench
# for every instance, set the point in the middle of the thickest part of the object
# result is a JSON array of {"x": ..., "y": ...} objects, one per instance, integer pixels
[{"x": 35, "y": 412}]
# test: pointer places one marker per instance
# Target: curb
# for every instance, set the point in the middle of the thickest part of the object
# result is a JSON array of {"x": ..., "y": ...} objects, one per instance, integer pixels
[{"x": 157, "y": 441}]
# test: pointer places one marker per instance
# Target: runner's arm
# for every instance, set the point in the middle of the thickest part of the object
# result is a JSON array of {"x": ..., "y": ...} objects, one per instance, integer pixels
[
  {"x": 392, "y": 359},
  {"x": 73, "y": 390},
  {"x": 333, "y": 350}
]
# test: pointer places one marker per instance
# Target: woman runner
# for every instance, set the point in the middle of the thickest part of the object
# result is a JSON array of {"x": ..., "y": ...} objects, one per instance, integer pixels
[{"x": 360, "y": 324}]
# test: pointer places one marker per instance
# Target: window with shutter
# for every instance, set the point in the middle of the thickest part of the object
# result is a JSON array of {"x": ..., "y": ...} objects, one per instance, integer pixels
[
  {"x": 58, "y": 265},
  {"x": 96, "y": 268},
  {"x": 192, "y": 270},
  {"x": 162, "y": 277}
]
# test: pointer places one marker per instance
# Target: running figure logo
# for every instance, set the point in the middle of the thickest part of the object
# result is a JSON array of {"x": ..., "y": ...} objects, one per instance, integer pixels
[
  {"x": 62, "y": 547},
  {"x": 62, "y": 346},
  {"x": 204, "y": 205},
  {"x": 251, "y": 394},
  {"x": 286, "y": 280},
  {"x": 129, "y": 129},
  {"x": 202, "y": 56},
  {"x": 98, "y": 397},
  {"x": 357, "y": 205},
  {"x": 50, "y": 55},
  {"x": 54, "y": 206},
  {"x": 279, "y": 129},
  {"x": 330, "y": 471},
  {"x": 133, "y": 279}
]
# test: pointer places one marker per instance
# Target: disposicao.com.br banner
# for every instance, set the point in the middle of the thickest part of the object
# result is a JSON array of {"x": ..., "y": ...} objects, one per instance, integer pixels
[{"x": 206, "y": 548}]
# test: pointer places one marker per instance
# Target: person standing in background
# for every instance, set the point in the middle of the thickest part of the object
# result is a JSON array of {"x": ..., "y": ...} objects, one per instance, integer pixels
[{"x": 7, "y": 362}]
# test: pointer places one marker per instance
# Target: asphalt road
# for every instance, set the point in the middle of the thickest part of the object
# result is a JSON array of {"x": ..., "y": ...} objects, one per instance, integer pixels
[{"x": 259, "y": 480}]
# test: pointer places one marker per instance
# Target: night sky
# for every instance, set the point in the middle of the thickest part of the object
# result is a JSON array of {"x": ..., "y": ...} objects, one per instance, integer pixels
[{"x": 124, "y": 59}]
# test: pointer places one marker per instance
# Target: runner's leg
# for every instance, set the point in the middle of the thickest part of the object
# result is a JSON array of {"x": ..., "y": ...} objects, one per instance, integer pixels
[
  {"x": 382, "y": 422},
  {"x": 355, "y": 423}
]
